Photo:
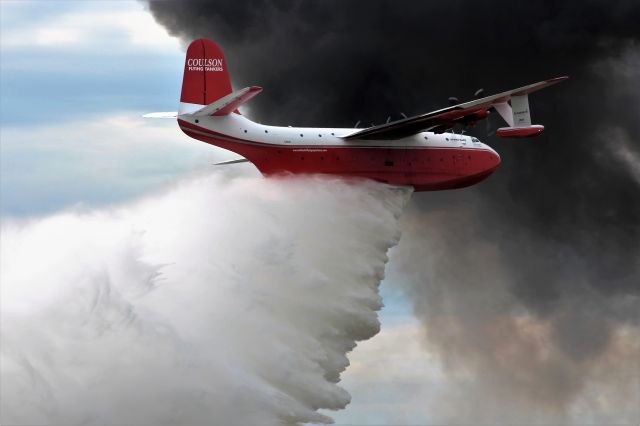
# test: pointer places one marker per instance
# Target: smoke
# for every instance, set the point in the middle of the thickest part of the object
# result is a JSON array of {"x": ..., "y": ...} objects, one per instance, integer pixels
[
  {"x": 549, "y": 245},
  {"x": 575, "y": 362},
  {"x": 224, "y": 300}
]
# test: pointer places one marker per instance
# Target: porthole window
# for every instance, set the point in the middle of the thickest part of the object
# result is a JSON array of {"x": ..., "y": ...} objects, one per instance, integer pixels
[
  {"x": 333, "y": 134},
  {"x": 197, "y": 121},
  {"x": 266, "y": 131},
  {"x": 447, "y": 138},
  {"x": 301, "y": 135},
  {"x": 426, "y": 138},
  {"x": 245, "y": 131},
  {"x": 319, "y": 136}
]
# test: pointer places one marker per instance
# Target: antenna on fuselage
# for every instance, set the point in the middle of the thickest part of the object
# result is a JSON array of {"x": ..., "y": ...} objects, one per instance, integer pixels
[{"x": 357, "y": 124}]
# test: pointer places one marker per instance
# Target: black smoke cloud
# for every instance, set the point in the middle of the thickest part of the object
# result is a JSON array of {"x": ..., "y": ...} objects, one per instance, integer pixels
[{"x": 562, "y": 214}]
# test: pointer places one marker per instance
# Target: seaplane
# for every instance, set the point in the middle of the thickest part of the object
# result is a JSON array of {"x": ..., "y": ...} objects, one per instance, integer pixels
[{"x": 419, "y": 151}]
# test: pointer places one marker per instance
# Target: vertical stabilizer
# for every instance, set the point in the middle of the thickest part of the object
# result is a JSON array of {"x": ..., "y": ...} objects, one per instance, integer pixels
[{"x": 206, "y": 78}]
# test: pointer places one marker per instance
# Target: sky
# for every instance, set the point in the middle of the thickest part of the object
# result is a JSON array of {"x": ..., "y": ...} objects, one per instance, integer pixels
[
  {"x": 513, "y": 301},
  {"x": 79, "y": 70}
]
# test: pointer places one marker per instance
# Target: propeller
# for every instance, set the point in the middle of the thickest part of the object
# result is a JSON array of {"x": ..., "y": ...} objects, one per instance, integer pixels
[
  {"x": 477, "y": 95},
  {"x": 464, "y": 125}
]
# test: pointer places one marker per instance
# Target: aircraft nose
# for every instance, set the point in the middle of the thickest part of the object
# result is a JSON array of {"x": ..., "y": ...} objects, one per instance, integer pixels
[
  {"x": 493, "y": 160},
  {"x": 496, "y": 158}
]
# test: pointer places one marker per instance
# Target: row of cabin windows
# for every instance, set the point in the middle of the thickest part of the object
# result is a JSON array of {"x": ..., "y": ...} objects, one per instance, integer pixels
[
  {"x": 333, "y": 134},
  {"x": 301, "y": 135}
]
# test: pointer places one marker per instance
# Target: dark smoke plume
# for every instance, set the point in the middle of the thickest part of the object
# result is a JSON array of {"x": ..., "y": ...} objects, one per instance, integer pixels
[{"x": 542, "y": 261}]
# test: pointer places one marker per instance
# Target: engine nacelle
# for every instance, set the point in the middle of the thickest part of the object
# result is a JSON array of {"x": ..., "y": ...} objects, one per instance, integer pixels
[
  {"x": 482, "y": 114},
  {"x": 520, "y": 132},
  {"x": 472, "y": 119}
]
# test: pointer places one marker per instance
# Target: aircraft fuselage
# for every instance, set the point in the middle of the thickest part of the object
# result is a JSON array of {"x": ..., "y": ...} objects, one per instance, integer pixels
[{"x": 426, "y": 161}]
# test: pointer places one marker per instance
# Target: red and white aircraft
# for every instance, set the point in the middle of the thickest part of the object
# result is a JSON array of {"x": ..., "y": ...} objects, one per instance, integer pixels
[{"x": 416, "y": 151}]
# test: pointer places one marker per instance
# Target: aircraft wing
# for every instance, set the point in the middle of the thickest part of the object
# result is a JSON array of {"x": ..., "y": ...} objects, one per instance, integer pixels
[{"x": 468, "y": 112}]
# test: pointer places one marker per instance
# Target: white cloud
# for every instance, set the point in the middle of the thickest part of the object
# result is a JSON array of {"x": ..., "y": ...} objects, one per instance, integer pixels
[
  {"x": 398, "y": 353},
  {"x": 97, "y": 160},
  {"x": 90, "y": 24},
  {"x": 392, "y": 377},
  {"x": 116, "y": 135}
]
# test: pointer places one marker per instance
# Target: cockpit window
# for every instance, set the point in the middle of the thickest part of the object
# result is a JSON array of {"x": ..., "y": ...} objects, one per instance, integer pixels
[{"x": 475, "y": 139}]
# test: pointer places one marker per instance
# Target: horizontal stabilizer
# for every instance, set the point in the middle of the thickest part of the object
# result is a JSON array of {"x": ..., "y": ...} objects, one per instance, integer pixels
[
  {"x": 161, "y": 115},
  {"x": 225, "y": 163},
  {"x": 229, "y": 103}
]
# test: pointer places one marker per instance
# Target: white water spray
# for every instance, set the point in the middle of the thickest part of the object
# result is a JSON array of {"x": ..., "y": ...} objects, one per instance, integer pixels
[{"x": 222, "y": 301}]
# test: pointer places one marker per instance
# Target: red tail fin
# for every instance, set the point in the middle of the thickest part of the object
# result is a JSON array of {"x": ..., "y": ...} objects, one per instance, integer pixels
[{"x": 205, "y": 77}]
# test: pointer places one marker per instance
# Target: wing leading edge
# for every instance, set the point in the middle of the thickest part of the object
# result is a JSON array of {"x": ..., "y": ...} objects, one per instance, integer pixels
[{"x": 443, "y": 119}]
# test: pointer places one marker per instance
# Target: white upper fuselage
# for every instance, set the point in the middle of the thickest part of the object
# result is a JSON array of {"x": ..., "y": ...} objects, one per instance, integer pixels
[{"x": 239, "y": 127}]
